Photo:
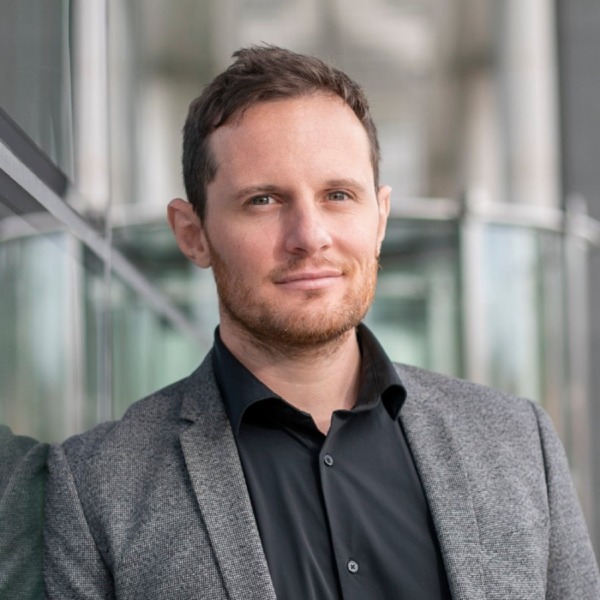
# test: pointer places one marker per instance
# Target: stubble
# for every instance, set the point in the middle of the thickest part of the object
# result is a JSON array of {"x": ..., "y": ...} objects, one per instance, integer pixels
[{"x": 279, "y": 328}]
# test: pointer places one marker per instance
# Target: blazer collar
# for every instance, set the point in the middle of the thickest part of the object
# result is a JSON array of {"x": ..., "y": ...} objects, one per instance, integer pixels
[
  {"x": 217, "y": 478},
  {"x": 426, "y": 418}
]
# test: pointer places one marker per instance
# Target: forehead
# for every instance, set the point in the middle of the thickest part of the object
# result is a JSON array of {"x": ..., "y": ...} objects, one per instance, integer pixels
[{"x": 317, "y": 131}]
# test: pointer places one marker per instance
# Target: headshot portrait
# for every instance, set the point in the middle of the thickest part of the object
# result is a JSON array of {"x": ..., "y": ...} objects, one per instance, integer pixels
[{"x": 299, "y": 301}]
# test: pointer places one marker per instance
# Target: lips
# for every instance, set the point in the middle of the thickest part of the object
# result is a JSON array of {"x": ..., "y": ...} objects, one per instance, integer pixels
[
  {"x": 309, "y": 279},
  {"x": 308, "y": 275}
]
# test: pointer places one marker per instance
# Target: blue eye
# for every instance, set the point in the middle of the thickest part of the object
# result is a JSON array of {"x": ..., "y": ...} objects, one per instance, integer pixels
[
  {"x": 261, "y": 200},
  {"x": 338, "y": 196}
]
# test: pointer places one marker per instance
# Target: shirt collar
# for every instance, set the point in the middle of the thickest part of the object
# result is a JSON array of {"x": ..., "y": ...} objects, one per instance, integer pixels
[
  {"x": 240, "y": 389},
  {"x": 379, "y": 378},
  {"x": 238, "y": 386}
]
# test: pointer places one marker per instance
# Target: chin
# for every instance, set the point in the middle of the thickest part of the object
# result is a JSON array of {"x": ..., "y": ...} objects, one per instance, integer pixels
[{"x": 303, "y": 328}]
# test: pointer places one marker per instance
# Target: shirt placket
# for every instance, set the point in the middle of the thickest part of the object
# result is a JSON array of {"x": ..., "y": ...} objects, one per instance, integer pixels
[{"x": 346, "y": 554}]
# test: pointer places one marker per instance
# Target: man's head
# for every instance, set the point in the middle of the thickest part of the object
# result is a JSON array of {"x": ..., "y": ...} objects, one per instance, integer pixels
[
  {"x": 290, "y": 217},
  {"x": 260, "y": 74}
]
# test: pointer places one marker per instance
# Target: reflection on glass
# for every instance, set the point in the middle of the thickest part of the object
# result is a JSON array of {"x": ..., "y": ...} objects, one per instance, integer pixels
[
  {"x": 147, "y": 352},
  {"x": 35, "y": 71},
  {"x": 522, "y": 277},
  {"x": 72, "y": 340},
  {"x": 416, "y": 313},
  {"x": 39, "y": 338},
  {"x": 511, "y": 279}
]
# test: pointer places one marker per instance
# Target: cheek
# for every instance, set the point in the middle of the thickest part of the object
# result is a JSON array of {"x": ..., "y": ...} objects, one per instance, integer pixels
[
  {"x": 232, "y": 244},
  {"x": 365, "y": 246},
  {"x": 247, "y": 256}
]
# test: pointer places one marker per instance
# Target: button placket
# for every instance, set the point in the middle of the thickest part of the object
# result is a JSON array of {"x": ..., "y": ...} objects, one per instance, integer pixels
[{"x": 333, "y": 480}]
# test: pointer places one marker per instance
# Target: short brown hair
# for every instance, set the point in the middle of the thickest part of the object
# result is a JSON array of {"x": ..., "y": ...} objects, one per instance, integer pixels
[{"x": 259, "y": 74}]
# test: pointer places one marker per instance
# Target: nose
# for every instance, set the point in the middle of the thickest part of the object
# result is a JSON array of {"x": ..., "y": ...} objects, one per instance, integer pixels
[{"x": 307, "y": 231}]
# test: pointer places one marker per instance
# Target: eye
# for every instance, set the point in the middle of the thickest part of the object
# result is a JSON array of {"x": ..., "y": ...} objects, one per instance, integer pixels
[
  {"x": 261, "y": 200},
  {"x": 338, "y": 195}
]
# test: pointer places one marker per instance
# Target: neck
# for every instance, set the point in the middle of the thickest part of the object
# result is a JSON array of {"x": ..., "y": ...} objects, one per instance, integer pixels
[{"x": 317, "y": 380}]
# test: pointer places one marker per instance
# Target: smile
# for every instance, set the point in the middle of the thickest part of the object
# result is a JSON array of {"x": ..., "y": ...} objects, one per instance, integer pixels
[{"x": 309, "y": 280}]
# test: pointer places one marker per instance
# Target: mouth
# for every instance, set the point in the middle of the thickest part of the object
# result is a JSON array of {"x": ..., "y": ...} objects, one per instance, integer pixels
[{"x": 309, "y": 280}]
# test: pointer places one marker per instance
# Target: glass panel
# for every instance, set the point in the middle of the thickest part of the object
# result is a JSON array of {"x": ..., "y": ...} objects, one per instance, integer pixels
[
  {"x": 148, "y": 353},
  {"x": 525, "y": 320},
  {"x": 70, "y": 340},
  {"x": 151, "y": 247},
  {"x": 511, "y": 279},
  {"x": 35, "y": 71},
  {"x": 41, "y": 336},
  {"x": 416, "y": 313},
  {"x": 523, "y": 280}
]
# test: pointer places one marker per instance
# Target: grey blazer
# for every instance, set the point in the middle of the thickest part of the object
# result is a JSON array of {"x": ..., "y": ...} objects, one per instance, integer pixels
[{"x": 155, "y": 505}]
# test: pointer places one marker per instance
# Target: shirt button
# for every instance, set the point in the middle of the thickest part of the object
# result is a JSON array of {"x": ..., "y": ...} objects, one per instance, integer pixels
[
  {"x": 352, "y": 566},
  {"x": 328, "y": 460}
]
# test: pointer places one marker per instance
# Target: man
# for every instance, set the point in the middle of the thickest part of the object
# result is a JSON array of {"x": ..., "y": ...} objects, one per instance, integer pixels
[{"x": 297, "y": 462}]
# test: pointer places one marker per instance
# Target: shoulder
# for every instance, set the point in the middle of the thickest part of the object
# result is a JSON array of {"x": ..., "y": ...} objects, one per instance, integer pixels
[
  {"x": 474, "y": 412},
  {"x": 500, "y": 438},
  {"x": 424, "y": 385},
  {"x": 108, "y": 472}
]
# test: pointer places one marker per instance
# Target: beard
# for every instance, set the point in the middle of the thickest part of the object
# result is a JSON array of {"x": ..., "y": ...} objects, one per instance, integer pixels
[{"x": 276, "y": 325}]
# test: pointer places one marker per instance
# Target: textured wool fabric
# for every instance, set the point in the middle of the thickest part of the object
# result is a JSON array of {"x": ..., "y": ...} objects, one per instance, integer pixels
[
  {"x": 155, "y": 505},
  {"x": 22, "y": 479}
]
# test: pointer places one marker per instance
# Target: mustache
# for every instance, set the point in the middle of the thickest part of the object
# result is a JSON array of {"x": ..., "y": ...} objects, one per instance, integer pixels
[{"x": 298, "y": 265}]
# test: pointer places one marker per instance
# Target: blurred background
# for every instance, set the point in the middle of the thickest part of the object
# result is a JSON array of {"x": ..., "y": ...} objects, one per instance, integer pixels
[{"x": 487, "y": 114}]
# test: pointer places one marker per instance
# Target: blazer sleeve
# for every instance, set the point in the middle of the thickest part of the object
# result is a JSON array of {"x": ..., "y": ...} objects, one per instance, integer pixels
[
  {"x": 572, "y": 567},
  {"x": 73, "y": 565}
]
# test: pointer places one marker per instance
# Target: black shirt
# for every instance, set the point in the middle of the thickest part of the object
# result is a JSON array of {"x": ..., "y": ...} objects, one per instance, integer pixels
[{"x": 342, "y": 515}]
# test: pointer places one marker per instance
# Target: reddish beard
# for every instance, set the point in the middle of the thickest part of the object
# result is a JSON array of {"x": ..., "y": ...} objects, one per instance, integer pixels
[{"x": 276, "y": 325}]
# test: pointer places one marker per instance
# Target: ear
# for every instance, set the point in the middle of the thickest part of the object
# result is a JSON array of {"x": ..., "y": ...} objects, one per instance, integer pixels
[
  {"x": 383, "y": 203},
  {"x": 188, "y": 231}
]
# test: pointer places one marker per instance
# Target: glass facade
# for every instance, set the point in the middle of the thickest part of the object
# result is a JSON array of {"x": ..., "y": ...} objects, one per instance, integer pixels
[
  {"x": 35, "y": 71},
  {"x": 481, "y": 268},
  {"x": 417, "y": 316},
  {"x": 77, "y": 348}
]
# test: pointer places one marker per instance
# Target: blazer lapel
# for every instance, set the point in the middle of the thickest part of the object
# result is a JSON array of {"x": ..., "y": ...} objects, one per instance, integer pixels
[
  {"x": 426, "y": 419},
  {"x": 216, "y": 473}
]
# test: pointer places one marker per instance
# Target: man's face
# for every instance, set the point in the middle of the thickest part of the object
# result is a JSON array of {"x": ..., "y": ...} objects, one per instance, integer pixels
[{"x": 293, "y": 225}]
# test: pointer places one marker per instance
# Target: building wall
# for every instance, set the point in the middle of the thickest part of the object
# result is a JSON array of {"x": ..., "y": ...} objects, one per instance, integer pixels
[{"x": 578, "y": 24}]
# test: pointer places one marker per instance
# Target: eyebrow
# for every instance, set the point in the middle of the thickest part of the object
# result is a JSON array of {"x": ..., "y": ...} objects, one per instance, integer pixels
[
  {"x": 254, "y": 190},
  {"x": 268, "y": 188},
  {"x": 345, "y": 183}
]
